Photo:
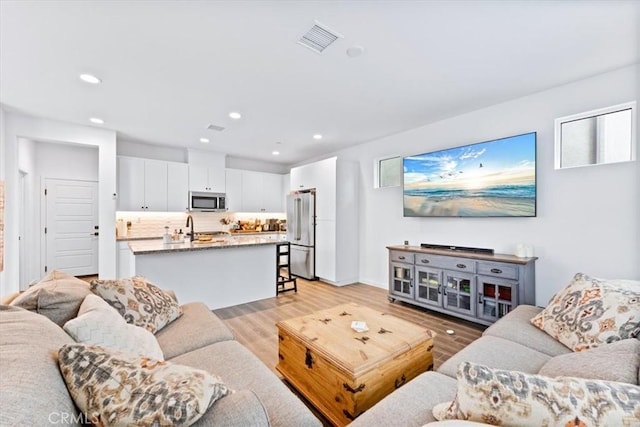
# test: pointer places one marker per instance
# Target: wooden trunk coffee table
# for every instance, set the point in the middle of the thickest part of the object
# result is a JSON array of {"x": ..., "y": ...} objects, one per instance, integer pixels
[{"x": 343, "y": 372}]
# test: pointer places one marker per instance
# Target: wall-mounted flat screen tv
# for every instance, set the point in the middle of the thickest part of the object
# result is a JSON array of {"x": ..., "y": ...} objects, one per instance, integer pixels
[{"x": 487, "y": 179}]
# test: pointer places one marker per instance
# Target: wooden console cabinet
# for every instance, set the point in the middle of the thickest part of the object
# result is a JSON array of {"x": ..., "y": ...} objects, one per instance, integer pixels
[{"x": 473, "y": 286}]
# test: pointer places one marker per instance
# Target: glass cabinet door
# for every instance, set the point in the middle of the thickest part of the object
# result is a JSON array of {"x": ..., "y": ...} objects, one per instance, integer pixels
[
  {"x": 496, "y": 297},
  {"x": 429, "y": 286},
  {"x": 401, "y": 279},
  {"x": 459, "y": 292}
]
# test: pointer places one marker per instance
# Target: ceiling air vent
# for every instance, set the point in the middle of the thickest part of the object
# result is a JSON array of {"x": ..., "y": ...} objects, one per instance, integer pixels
[
  {"x": 319, "y": 37},
  {"x": 216, "y": 128}
]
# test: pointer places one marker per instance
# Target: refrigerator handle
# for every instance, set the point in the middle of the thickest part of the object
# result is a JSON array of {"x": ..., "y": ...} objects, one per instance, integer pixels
[{"x": 298, "y": 216}]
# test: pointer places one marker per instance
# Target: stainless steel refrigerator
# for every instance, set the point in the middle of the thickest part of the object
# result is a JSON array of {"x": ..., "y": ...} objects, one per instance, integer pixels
[{"x": 301, "y": 233}]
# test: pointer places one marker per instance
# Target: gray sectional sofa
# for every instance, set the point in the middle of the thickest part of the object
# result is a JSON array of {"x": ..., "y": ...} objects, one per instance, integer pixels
[
  {"x": 512, "y": 343},
  {"x": 32, "y": 391}
]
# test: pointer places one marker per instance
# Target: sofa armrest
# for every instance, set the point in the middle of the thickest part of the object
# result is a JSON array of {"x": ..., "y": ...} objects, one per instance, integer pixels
[{"x": 242, "y": 408}]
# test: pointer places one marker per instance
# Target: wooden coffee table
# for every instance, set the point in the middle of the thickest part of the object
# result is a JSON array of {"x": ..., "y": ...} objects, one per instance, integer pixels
[{"x": 343, "y": 372}]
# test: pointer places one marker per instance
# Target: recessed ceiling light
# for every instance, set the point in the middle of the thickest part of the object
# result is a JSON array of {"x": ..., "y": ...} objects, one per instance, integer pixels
[
  {"x": 275, "y": 153},
  {"x": 235, "y": 115},
  {"x": 90, "y": 78},
  {"x": 317, "y": 136},
  {"x": 204, "y": 140},
  {"x": 355, "y": 51},
  {"x": 96, "y": 120}
]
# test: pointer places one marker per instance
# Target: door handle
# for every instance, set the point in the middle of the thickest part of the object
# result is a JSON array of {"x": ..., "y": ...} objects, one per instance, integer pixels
[
  {"x": 94, "y": 234},
  {"x": 298, "y": 216}
]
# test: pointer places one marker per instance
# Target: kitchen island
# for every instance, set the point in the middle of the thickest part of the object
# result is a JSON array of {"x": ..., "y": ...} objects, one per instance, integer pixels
[{"x": 221, "y": 272}]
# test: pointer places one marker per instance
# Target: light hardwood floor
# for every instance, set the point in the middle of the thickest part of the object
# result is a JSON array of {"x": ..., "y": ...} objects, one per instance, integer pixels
[{"x": 254, "y": 324}]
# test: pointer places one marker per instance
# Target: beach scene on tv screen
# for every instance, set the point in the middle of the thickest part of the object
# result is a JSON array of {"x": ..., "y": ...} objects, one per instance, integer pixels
[{"x": 493, "y": 178}]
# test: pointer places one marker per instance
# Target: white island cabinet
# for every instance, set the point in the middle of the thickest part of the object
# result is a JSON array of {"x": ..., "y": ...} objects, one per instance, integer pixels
[{"x": 220, "y": 273}]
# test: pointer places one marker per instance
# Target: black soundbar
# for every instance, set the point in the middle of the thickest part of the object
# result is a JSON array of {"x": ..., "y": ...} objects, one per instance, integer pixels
[{"x": 456, "y": 248}]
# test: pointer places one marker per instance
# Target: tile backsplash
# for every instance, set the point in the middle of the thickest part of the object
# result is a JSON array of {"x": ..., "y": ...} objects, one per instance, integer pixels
[{"x": 151, "y": 224}]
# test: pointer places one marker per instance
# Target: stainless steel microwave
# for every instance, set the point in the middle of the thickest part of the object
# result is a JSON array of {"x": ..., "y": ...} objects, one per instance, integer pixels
[{"x": 202, "y": 201}]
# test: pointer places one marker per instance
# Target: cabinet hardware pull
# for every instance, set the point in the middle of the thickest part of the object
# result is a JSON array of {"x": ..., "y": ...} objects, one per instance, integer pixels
[
  {"x": 399, "y": 382},
  {"x": 480, "y": 298},
  {"x": 400, "y": 257},
  {"x": 424, "y": 261},
  {"x": 439, "y": 288},
  {"x": 496, "y": 270},
  {"x": 461, "y": 266}
]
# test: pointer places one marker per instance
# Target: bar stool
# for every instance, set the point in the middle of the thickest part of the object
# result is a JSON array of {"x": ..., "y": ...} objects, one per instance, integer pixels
[{"x": 283, "y": 262}]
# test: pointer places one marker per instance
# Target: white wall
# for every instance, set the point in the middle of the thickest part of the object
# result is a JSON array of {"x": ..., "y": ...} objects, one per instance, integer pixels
[
  {"x": 174, "y": 154},
  {"x": 588, "y": 218},
  {"x": 2, "y": 177},
  {"x": 18, "y": 126},
  {"x": 148, "y": 151},
  {"x": 255, "y": 165},
  {"x": 54, "y": 161}
]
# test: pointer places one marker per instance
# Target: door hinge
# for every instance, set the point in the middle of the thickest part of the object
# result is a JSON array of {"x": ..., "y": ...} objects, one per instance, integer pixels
[
  {"x": 45, "y": 268},
  {"x": 45, "y": 230},
  {"x": 45, "y": 191}
]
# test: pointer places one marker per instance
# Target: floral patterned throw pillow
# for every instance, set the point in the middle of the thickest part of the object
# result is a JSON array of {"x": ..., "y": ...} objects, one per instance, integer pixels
[
  {"x": 509, "y": 398},
  {"x": 590, "y": 312},
  {"x": 116, "y": 389},
  {"x": 139, "y": 302}
]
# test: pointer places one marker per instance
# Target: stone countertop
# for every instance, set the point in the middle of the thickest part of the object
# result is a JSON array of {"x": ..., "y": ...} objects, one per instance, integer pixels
[
  {"x": 142, "y": 247},
  {"x": 232, "y": 233},
  {"x": 130, "y": 238}
]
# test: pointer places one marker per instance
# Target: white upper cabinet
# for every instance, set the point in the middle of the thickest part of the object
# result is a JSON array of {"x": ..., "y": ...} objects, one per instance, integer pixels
[
  {"x": 250, "y": 191},
  {"x": 234, "y": 190},
  {"x": 142, "y": 184},
  {"x": 207, "y": 171},
  {"x": 322, "y": 176},
  {"x": 155, "y": 185},
  {"x": 202, "y": 178},
  {"x": 151, "y": 185},
  {"x": 130, "y": 184},
  {"x": 177, "y": 187}
]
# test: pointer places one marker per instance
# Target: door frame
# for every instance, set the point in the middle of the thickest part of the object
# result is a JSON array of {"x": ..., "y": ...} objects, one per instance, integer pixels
[{"x": 43, "y": 220}]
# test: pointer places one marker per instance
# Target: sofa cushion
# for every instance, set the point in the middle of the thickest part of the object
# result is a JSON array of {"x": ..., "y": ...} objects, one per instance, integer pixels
[
  {"x": 411, "y": 404},
  {"x": 100, "y": 324},
  {"x": 139, "y": 301},
  {"x": 596, "y": 363},
  {"x": 57, "y": 296},
  {"x": 516, "y": 326},
  {"x": 590, "y": 312},
  {"x": 8, "y": 299},
  {"x": 32, "y": 392},
  {"x": 115, "y": 388},
  {"x": 242, "y": 408},
  {"x": 242, "y": 370},
  {"x": 502, "y": 397},
  {"x": 196, "y": 328},
  {"x": 497, "y": 353}
]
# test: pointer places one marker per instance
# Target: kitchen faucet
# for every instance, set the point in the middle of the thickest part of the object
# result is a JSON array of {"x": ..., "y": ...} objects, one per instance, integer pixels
[{"x": 190, "y": 222}]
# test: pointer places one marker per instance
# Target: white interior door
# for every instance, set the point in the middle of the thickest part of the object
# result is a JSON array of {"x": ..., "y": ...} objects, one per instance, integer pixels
[{"x": 71, "y": 228}]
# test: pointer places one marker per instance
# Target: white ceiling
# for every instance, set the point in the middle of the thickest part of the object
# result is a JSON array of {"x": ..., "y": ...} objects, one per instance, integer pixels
[{"x": 170, "y": 68}]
